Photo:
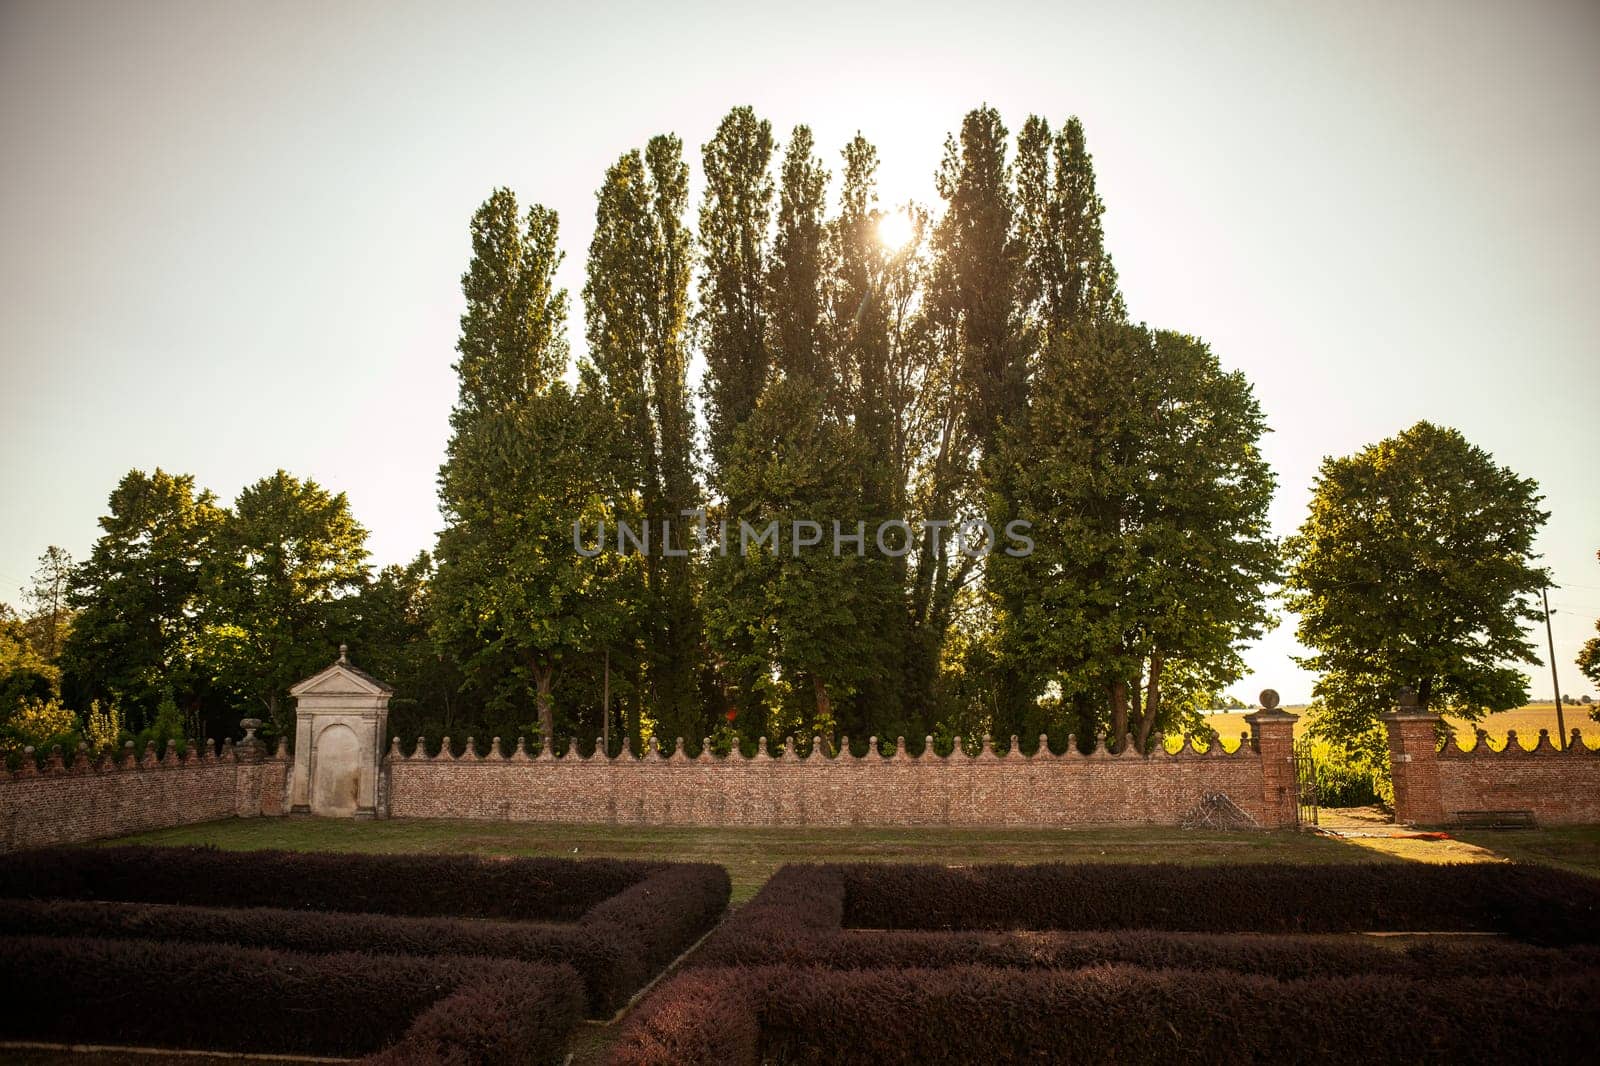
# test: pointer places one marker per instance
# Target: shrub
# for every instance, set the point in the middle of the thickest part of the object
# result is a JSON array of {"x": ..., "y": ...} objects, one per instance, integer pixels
[
  {"x": 251, "y": 1000},
  {"x": 1103, "y": 1014},
  {"x": 1533, "y": 902},
  {"x": 525, "y": 889},
  {"x": 615, "y": 947}
]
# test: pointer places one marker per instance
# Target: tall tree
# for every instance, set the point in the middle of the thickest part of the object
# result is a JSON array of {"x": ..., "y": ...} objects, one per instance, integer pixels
[
  {"x": 139, "y": 596},
  {"x": 974, "y": 296},
  {"x": 795, "y": 280},
  {"x": 1067, "y": 278},
  {"x": 46, "y": 595},
  {"x": 528, "y": 457},
  {"x": 735, "y": 220},
  {"x": 289, "y": 558},
  {"x": 636, "y": 297},
  {"x": 1415, "y": 568},
  {"x": 1148, "y": 496}
]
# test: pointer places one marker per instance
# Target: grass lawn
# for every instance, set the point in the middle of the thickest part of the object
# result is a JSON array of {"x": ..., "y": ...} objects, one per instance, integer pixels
[{"x": 751, "y": 855}]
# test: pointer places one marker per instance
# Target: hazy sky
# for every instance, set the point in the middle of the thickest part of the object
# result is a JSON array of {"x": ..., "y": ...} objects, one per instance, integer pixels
[{"x": 233, "y": 234}]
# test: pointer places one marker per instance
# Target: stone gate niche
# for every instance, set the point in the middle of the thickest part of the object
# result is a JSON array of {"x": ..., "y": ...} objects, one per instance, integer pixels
[{"x": 341, "y": 717}]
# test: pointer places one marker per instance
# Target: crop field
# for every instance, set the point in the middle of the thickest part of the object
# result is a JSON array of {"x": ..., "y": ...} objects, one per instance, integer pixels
[{"x": 1527, "y": 721}]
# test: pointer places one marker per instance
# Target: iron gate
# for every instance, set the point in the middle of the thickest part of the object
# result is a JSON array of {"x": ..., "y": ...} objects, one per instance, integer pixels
[{"x": 1305, "y": 783}]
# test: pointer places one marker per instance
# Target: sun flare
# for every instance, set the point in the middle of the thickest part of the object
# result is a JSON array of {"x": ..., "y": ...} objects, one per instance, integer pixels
[{"x": 895, "y": 230}]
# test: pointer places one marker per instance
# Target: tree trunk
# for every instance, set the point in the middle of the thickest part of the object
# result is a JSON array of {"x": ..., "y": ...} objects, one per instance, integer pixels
[
  {"x": 542, "y": 676},
  {"x": 1152, "y": 702},
  {"x": 1119, "y": 715}
]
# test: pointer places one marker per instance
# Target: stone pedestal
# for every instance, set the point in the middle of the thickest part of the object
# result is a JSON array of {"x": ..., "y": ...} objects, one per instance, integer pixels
[
  {"x": 1414, "y": 761},
  {"x": 341, "y": 717},
  {"x": 1272, "y": 734}
]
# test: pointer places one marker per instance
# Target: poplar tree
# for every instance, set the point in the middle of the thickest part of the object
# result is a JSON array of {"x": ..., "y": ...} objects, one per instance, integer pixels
[
  {"x": 735, "y": 224},
  {"x": 637, "y": 296},
  {"x": 975, "y": 298},
  {"x": 528, "y": 458}
]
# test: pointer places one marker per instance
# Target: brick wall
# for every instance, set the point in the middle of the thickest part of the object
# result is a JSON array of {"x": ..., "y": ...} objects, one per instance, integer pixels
[
  {"x": 1559, "y": 787},
  {"x": 61, "y": 804},
  {"x": 1441, "y": 787},
  {"x": 787, "y": 790}
]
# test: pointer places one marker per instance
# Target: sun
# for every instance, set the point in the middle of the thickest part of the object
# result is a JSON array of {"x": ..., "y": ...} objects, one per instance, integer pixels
[{"x": 895, "y": 230}]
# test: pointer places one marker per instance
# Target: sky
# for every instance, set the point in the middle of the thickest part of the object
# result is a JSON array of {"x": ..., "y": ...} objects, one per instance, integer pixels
[{"x": 233, "y": 234}]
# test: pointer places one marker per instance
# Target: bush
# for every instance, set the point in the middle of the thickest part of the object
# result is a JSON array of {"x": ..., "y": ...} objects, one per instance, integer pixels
[
  {"x": 78, "y": 989},
  {"x": 1533, "y": 902},
  {"x": 468, "y": 886},
  {"x": 1103, "y": 1014},
  {"x": 615, "y": 947}
]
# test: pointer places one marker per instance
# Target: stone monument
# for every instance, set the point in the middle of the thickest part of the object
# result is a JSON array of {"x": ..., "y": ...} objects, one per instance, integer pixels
[{"x": 341, "y": 716}]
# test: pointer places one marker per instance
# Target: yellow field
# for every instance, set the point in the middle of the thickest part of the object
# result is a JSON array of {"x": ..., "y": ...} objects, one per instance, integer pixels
[{"x": 1527, "y": 721}]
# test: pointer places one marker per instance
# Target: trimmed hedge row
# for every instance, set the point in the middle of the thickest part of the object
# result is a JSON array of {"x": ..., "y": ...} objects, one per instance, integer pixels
[
  {"x": 731, "y": 1017},
  {"x": 522, "y": 889},
  {"x": 1532, "y": 902},
  {"x": 615, "y": 947},
  {"x": 219, "y": 997},
  {"x": 796, "y": 921}
]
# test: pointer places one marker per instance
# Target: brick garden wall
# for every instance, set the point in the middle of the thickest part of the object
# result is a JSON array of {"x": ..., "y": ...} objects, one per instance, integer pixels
[
  {"x": 1434, "y": 787},
  {"x": 1559, "y": 787},
  {"x": 61, "y": 804},
  {"x": 788, "y": 790}
]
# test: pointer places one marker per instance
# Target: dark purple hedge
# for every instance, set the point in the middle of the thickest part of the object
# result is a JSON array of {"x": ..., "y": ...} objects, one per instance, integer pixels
[
  {"x": 1533, "y": 902},
  {"x": 469, "y": 886},
  {"x": 226, "y": 998},
  {"x": 615, "y": 947},
  {"x": 1104, "y": 1014}
]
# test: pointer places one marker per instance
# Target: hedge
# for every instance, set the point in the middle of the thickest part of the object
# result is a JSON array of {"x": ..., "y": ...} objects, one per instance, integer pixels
[
  {"x": 225, "y": 998},
  {"x": 522, "y": 889},
  {"x": 796, "y": 919},
  {"x": 1532, "y": 902},
  {"x": 1105, "y": 1014},
  {"x": 615, "y": 947}
]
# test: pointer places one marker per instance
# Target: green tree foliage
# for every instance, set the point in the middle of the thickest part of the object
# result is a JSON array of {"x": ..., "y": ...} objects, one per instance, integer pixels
[
  {"x": 393, "y": 640},
  {"x": 289, "y": 557},
  {"x": 1415, "y": 569},
  {"x": 139, "y": 597},
  {"x": 47, "y": 592},
  {"x": 637, "y": 298},
  {"x": 529, "y": 456},
  {"x": 25, "y": 673},
  {"x": 1147, "y": 495},
  {"x": 735, "y": 220}
]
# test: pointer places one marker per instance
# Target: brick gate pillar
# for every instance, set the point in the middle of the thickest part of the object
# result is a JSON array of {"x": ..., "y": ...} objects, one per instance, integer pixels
[
  {"x": 1414, "y": 761},
  {"x": 1272, "y": 735}
]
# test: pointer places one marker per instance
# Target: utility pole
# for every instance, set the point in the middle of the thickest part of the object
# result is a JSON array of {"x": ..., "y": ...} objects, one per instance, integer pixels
[{"x": 1561, "y": 721}]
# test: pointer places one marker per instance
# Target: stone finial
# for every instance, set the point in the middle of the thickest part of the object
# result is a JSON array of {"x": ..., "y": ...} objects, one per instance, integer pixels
[
  {"x": 80, "y": 759},
  {"x": 1269, "y": 699},
  {"x": 1406, "y": 698},
  {"x": 344, "y": 655},
  {"x": 495, "y": 751},
  {"x": 29, "y": 767},
  {"x": 394, "y": 748}
]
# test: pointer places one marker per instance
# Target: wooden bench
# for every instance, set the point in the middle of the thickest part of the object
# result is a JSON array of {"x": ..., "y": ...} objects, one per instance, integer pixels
[{"x": 1493, "y": 819}]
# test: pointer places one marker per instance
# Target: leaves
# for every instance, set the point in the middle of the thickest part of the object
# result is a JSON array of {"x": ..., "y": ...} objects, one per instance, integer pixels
[{"x": 1415, "y": 569}]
